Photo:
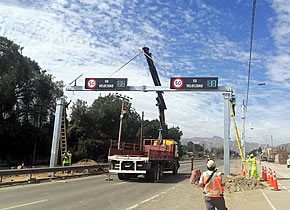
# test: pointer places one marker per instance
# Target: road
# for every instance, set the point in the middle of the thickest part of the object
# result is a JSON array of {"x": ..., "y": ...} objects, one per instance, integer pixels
[
  {"x": 90, "y": 192},
  {"x": 172, "y": 192},
  {"x": 279, "y": 199}
]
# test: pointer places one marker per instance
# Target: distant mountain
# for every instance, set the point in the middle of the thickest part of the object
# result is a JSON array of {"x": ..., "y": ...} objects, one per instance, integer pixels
[{"x": 217, "y": 141}]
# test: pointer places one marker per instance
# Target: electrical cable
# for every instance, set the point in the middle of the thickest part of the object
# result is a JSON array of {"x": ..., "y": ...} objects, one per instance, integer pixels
[
  {"x": 251, "y": 47},
  {"x": 126, "y": 63}
]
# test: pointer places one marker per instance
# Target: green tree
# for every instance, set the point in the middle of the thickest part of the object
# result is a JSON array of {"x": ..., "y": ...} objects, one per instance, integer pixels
[{"x": 27, "y": 103}]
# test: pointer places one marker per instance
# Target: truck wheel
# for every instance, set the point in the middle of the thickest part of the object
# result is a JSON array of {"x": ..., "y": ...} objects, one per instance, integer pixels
[
  {"x": 288, "y": 166},
  {"x": 121, "y": 176},
  {"x": 175, "y": 170}
]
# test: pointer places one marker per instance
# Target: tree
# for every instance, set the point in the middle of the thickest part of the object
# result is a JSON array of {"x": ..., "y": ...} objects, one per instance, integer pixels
[{"x": 27, "y": 103}]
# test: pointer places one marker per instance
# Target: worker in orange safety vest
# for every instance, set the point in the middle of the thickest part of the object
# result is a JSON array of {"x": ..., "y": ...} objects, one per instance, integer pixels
[{"x": 212, "y": 183}]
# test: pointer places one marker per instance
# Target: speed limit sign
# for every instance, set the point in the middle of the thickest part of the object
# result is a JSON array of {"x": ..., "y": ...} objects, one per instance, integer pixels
[
  {"x": 91, "y": 83},
  {"x": 177, "y": 83}
]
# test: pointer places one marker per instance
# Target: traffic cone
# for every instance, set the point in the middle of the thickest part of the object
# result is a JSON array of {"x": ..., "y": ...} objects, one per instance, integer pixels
[
  {"x": 268, "y": 175},
  {"x": 275, "y": 183},
  {"x": 262, "y": 172},
  {"x": 271, "y": 178},
  {"x": 265, "y": 173}
]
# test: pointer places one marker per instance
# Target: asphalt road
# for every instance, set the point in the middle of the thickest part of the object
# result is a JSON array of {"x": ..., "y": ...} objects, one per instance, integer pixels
[
  {"x": 91, "y": 192},
  {"x": 279, "y": 199}
]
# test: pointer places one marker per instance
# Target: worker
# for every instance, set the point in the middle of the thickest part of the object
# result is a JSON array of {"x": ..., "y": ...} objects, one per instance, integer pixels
[
  {"x": 69, "y": 156},
  {"x": 212, "y": 183},
  {"x": 65, "y": 159},
  {"x": 233, "y": 102},
  {"x": 253, "y": 164},
  {"x": 208, "y": 158}
]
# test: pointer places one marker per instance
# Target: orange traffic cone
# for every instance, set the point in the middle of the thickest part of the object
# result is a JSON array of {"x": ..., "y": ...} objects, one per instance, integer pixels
[
  {"x": 271, "y": 178},
  {"x": 268, "y": 175},
  {"x": 275, "y": 183},
  {"x": 265, "y": 173}
]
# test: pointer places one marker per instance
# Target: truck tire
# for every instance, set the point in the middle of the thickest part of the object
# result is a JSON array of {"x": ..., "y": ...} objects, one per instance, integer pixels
[
  {"x": 152, "y": 175},
  {"x": 288, "y": 166},
  {"x": 121, "y": 176},
  {"x": 175, "y": 170}
]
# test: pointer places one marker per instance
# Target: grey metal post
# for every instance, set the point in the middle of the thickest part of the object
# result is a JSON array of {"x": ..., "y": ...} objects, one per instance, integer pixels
[
  {"x": 56, "y": 132},
  {"x": 227, "y": 120}
]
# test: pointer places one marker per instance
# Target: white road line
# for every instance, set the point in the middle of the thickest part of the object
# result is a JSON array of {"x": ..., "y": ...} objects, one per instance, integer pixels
[
  {"x": 133, "y": 207},
  {"x": 119, "y": 183},
  {"x": 150, "y": 199},
  {"x": 273, "y": 207},
  {"x": 285, "y": 188},
  {"x": 25, "y": 204}
]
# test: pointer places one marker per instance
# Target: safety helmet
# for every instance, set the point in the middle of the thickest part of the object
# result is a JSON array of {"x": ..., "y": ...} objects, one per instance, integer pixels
[
  {"x": 211, "y": 165},
  {"x": 233, "y": 94},
  {"x": 251, "y": 155}
]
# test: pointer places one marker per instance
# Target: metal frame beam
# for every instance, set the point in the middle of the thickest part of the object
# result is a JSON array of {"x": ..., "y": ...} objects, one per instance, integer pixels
[
  {"x": 226, "y": 90},
  {"x": 145, "y": 88}
]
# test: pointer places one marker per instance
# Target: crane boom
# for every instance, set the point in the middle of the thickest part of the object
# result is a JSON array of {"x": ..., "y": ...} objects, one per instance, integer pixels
[{"x": 160, "y": 100}]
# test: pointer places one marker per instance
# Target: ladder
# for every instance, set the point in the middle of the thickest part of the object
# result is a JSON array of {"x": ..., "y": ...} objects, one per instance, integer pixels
[{"x": 63, "y": 133}]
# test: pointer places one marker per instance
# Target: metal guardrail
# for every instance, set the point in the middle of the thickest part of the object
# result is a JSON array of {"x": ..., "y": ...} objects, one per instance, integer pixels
[{"x": 32, "y": 171}]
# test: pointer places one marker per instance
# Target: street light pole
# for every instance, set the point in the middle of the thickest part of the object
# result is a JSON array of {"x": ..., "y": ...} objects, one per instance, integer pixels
[
  {"x": 124, "y": 99},
  {"x": 121, "y": 122}
]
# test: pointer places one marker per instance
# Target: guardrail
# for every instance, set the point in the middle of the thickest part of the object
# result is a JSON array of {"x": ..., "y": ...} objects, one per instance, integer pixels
[{"x": 52, "y": 171}]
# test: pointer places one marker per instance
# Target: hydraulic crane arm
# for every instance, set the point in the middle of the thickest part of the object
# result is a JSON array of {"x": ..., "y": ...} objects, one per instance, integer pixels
[{"x": 160, "y": 100}]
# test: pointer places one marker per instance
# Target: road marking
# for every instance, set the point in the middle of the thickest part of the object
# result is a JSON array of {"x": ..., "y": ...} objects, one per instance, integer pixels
[
  {"x": 119, "y": 183},
  {"x": 285, "y": 188},
  {"x": 133, "y": 207},
  {"x": 26, "y": 204},
  {"x": 273, "y": 207},
  {"x": 150, "y": 199}
]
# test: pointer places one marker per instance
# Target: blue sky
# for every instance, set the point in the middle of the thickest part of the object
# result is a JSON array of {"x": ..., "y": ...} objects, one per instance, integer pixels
[{"x": 196, "y": 38}]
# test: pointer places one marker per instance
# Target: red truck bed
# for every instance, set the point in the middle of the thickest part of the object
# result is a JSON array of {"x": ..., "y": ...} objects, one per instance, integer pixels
[{"x": 153, "y": 149}]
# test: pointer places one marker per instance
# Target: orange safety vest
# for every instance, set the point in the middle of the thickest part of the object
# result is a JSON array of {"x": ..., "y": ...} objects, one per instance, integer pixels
[{"x": 214, "y": 187}]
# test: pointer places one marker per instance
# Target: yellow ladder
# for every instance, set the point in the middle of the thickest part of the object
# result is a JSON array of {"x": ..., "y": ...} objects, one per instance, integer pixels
[
  {"x": 63, "y": 133},
  {"x": 238, "y": 140}
]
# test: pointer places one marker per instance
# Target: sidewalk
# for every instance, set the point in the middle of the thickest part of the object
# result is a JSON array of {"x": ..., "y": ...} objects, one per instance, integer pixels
[{"x": 185, "y": 196}]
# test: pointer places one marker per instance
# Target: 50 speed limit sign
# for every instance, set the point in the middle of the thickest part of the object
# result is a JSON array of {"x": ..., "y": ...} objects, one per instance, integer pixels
[
  {"x": 177, "y": 83},
  {"x": 92, "y": 83}
]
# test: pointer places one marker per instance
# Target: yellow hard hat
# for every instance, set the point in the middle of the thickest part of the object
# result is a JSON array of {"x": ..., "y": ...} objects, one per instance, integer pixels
[{"x": 251, "y": 155}]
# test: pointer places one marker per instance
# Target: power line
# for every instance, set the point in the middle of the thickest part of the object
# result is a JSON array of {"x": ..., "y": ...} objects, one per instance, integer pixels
[
  {"x": 126, "y": 63},
  {"x": 251, "y": 47}
]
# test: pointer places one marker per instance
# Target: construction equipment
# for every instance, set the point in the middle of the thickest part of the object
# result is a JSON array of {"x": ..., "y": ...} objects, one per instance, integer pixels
[
  {"x": 151, "y": 160},
  {"x": 160, "y": 100}
]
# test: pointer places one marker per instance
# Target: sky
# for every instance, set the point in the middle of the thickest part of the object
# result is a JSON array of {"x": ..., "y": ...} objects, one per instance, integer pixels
[{"x": 187, "y": 38}]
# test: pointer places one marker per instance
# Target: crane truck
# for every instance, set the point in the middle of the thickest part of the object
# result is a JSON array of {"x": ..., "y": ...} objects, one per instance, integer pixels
[
  {"x": 151, "y": 159},
  {"x": 154, "y": 156}
]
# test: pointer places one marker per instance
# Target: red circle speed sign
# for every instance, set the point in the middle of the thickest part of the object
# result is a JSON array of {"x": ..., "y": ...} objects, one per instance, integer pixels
[
  {"x": 177, "y": 83},
  {"x": 92, "y": 83}
]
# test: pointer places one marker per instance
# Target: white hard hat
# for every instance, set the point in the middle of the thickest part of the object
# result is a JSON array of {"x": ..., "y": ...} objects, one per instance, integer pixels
[
  {"x": 233, "y": 94},
  {"x": 211, "y": 164}
]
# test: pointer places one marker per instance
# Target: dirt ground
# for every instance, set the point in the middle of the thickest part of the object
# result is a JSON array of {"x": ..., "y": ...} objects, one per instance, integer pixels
[{"x": 240, "y": 194}]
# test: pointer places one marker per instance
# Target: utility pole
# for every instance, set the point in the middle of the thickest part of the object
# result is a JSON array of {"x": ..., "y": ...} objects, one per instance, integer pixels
[
  {"x": 272, "y": 141},
  {"x": 124, "y": 99},
  {"x": 141, "y": 131},
  {"x": 244, "y": 129}
]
